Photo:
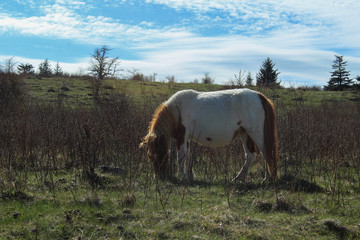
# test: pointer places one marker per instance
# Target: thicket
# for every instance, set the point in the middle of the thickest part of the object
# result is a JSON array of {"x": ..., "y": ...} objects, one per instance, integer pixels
[{"x": 317, "y": 143}]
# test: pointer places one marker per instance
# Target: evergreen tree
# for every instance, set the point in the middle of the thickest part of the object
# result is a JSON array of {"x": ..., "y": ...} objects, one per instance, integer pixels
[
  {"x": 267, "y": 76},
  {"x": 45, "y": 69},
  {"x": 249, "y": 82},
  {"x": 58, "y": 70},
  {"x": 340, "y": 77},
  {"x": 357, "y": 84},
  {"x": 26, "y": 69}
]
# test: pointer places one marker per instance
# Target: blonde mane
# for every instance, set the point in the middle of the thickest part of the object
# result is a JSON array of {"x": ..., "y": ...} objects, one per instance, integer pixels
[{"x": 163, "y": 122}]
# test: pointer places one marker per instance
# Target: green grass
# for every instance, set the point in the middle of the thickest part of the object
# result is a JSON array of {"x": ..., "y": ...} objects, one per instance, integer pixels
[
  {"x": 172, "y": 211},
  {"x": 79, "y": 90}
]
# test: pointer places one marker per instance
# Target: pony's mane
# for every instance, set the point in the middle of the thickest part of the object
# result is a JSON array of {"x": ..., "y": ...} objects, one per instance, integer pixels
[{"x": 163, "y": 121}]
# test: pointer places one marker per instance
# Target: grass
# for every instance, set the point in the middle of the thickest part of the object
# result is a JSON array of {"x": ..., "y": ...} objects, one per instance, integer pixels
[
  {"x": 198, "y": 211},
  {"x": 79, "y": 90}
]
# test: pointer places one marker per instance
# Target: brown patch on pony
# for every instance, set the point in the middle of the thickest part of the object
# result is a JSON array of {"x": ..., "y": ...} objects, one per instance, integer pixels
[
  {"x": 239, "y": 123},
  {"x": 180, "y": 133},
  {"x": 250, "y": 145},
  {"x": 237, "y": 133},
  {"x": 270, "y": 136}
]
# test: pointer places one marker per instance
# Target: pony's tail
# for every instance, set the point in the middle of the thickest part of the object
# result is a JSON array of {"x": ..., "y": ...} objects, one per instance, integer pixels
[{"x": 270, "y": 137}]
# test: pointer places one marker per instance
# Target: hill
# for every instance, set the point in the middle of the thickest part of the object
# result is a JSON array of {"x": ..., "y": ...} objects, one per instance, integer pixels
[{"x": 71, "y": 168}]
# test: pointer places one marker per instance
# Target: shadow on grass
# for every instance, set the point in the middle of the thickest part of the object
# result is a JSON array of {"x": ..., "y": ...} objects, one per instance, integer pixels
[{"x": 286, "y": 182}]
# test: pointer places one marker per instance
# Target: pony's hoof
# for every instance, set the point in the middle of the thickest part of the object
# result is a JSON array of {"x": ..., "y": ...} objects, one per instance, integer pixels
[
  {"x": 266, "y": 179},
  {"x": 238, "y": 179}
]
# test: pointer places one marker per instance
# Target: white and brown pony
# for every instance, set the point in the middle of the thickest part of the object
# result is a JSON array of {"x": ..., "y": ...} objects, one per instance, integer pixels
[{"x": 213, "y": 119}]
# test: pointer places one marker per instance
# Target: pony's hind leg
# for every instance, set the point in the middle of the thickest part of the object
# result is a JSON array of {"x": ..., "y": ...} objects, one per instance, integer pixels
[{"x": 250, "y": 155}]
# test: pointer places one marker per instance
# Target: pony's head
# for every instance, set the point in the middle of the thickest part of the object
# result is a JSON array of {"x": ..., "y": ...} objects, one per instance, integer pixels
[{"x": 157, "y": 153}]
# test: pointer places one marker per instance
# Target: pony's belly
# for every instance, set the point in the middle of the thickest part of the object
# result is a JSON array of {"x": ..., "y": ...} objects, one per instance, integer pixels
[{"x": 217, "y": 139}]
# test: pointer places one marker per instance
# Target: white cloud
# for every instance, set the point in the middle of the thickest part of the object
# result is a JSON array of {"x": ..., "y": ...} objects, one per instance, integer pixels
[{"x": 297, "y": 35}]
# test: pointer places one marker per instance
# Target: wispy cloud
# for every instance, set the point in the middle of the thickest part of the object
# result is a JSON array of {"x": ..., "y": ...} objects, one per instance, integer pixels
[
  {"x": 61, "y": 22},
  {"x": 216, "y": 36}
]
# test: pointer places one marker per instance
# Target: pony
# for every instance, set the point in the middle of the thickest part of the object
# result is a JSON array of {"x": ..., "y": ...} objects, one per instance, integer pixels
[{"x": 213, "y": 119}]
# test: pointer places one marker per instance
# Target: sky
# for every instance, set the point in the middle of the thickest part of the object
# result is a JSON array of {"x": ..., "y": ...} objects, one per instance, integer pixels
[{"x": 187, "y": 38}]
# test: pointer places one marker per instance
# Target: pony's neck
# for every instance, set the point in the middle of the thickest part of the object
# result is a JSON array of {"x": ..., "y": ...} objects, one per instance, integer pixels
[{"x": 164, "y": 122}]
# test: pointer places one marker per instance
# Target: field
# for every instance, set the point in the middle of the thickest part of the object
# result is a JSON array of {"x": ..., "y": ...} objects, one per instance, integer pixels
[{"x": 70, "y": 168}]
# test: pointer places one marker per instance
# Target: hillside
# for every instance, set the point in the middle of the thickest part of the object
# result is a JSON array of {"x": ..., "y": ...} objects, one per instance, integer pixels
[
  {"x": 73, "y": 169},
  {"x": 79, "y": 90}
]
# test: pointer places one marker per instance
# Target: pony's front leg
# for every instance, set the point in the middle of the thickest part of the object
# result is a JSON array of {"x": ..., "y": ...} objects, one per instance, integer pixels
[
  {"x": 189, "y": 165},
  {"x": 181, "y": 161}
]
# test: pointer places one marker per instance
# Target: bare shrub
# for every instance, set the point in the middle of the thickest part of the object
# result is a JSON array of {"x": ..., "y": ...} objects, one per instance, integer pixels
[{"x": 316, "y": 143}]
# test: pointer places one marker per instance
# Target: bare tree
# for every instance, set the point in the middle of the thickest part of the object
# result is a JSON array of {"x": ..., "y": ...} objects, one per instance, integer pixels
[
  {"x": 102, "y": 66},
  {"x": 240, "y": 79},
  {"x": 9, "y": 66},
  {"x": 171, "y": 79},
  {"x": 207, "y": 79}
]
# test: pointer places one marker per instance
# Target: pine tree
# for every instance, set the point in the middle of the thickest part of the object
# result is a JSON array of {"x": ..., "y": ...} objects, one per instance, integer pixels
[
  {"x": 26, "y": 69},
  {"x": 340, "y": 76},
  {"x": 249, "y": 80},
  {"x": 58, "y": 70},
  {"x": 45, "y": 69},
  {"x": 357, "y": 84},
  {"x": 267, "y": 76}
]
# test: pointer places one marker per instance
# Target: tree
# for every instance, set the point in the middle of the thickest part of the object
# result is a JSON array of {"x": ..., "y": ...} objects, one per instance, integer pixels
[
  {"x": 267, "y": 76},
  {"x": 26, "y": 69},
  {"x": 340, "y": 76},
  {"x": 240, "y": 79},
  {"x": 249, "y": 82},
  {"x": 9, "y": 65},
  {"x": 45, "y": 69},
  {"x": 357, "y": 84},
  {"x": 207, "y": 79},
  {"x": 58, "y": 70},
  {"x": 102, "y": 66}
]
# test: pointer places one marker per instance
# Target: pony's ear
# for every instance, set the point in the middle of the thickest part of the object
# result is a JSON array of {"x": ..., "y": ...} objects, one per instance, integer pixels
[{"x": 143, "y": 143}]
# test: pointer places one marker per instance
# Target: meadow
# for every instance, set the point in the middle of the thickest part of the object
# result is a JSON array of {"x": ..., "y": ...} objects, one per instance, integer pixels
[{"x": 71, "y": 167}]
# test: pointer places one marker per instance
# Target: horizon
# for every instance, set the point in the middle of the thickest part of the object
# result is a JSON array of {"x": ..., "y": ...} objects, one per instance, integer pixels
[{"x": 186, "y": 38}]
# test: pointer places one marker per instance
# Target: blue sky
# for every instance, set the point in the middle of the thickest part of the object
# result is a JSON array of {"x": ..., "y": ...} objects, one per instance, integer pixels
[{"x": 187, "y": 38}]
